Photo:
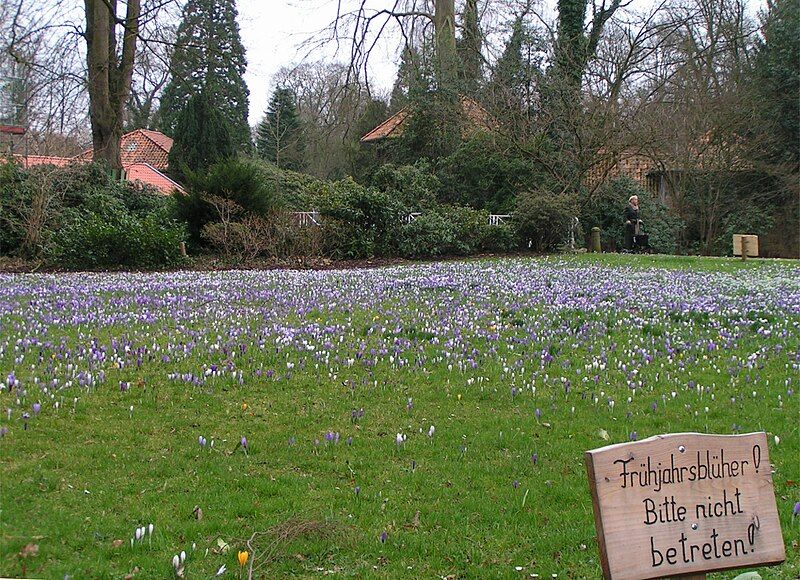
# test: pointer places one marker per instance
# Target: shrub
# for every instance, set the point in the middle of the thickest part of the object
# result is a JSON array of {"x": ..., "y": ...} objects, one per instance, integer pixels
[
  {"x": 102, "y": 240},
  {"x": 413, "y": 185},
  {"x": 15, "y": 195},
  {"x": 454, "y": 230},
  {"x": 482, "y": 174},
  {"x": 430, "y": 234},
  {"x": 747, "y": 219},
  {"x": 241, "y": 181},
  {"x": 359, "y": 221},
  {"x": 35, "y": 202},
  {"x": 474, "y": 234},
  {"x": 543, "y": 218},
  {"x": 293, "y": 190},
  {"x": 604, "y": 210}
]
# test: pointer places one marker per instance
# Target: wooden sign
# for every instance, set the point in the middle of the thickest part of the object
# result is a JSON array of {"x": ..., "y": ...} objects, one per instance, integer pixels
[
  {"x": 751, "y": 243},
  {"x": 684, "y": 503}
]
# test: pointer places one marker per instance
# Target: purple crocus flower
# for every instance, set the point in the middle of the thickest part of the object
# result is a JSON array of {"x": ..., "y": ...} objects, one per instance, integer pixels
[
  {"x": 410, "y": 404},
  {"x": 243, "y": 443},
  {"x": 4, "y": 430},
  {"x": 357, "y": 490},
  {"x": 538, "y": 413},
  {"x": 202, "y": 441},
  {"x": 384, "y": 536},
  {"x": 633, "y": 436},
  {"x": 37, "y": 407},
  {"x": 796, "y": 510},
  {"x": 515, "y": 484},
  {"x": 534, "y": 458}
]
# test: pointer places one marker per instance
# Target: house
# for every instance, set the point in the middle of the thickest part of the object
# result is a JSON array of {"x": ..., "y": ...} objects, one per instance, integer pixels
[
  {"x": 635, "y": 165},
  {"x": 478, "y": 117},
  {"x": 145, "y": 157}
]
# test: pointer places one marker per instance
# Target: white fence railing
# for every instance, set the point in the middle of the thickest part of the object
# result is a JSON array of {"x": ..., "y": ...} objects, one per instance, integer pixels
[
  {"x": 497, "y": 219},
  {"x": 313, "y": 218},
  {"x": 307, "y": 218}
]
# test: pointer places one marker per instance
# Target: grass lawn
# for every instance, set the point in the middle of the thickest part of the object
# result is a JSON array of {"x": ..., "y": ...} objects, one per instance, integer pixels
[{"x": 416, "y": 421}]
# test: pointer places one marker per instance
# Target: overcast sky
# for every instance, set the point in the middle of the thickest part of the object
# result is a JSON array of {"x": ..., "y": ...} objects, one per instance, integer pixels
[{"x": 273, "y": 32}]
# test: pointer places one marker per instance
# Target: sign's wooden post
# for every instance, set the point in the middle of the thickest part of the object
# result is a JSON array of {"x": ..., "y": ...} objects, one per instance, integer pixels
[{"x": 684, "y": 504}]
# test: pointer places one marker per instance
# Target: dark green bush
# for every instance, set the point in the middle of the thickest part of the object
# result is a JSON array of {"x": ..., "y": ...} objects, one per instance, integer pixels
[
  {"x": 294, "y": 191},
  {"x": 15, "y": 194},
  {"x": 605, "y": 210},
  {"x": 746, "y": 219},
  {"x": 117, "y": 239},
  {"x": 454, "y": 231},
  {"x": 360, "y": 221},
  {"x": 542, "y": 218},
  {"x": 242, "y": 181},
  {"x": 415, "y": 186},
  {"x": 429, "y": 235},
  {"x": 484, "y": 174}
]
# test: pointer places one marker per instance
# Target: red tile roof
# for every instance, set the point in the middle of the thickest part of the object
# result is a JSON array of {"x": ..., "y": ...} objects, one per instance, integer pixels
[
  {"x": 147, "y": 174},
  {"x": 393, "y": 126},
  {"x": 144, "y": 157},
  {"x": 12, "y": 129},
  {"x": 31, "y": 160},
  {"x": 141, "y": 146}
]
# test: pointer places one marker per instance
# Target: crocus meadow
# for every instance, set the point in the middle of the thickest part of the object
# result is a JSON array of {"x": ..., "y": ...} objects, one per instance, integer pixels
[{"x": 131, "y": 400}]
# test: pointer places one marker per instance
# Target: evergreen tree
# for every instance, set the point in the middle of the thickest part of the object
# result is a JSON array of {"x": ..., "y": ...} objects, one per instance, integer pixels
[
  {"x": 209, "y": 57},
  {"x": 571, "y": 47},
  {"x": 514, "y": 88},
  {"x": 365, "y": 159},
  {"x": 469, "y": 49},
  {"x": 411, "y": 79},
  {"x": 279, "y": 137},
  {"x": 202, "y": 138},
  {"x": 509, "y": 74},
  {"x": 777, "y": 80}
]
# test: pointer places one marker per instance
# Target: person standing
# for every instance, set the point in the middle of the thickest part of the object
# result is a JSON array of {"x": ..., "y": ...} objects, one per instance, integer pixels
[{"x": 632, "y": 221}]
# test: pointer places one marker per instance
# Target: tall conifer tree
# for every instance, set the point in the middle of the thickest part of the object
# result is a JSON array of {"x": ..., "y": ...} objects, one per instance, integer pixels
[
  {"x": 209, "y": 57},
  {"x": 469, "y": 48},
  {"x": 279, "y": 137},
  {"x": 411, "y": 80},
  {"x": 202, "y": 137}
]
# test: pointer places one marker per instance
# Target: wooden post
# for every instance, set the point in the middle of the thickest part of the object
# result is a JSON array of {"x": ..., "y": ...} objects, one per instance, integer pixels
[
  {"x": 744, "y": 248},
  {"x": 183, "y": 249},
  {"x": 596, "y": 240}
]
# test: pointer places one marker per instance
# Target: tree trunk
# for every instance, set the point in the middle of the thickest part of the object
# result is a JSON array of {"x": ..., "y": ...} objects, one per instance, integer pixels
[
  {"x": 444, "y": 25},
  {"x": 109, "y": 74}
]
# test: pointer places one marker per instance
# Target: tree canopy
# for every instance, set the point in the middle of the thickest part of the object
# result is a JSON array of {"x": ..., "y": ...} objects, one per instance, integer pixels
[{"x": 209, "y": 57}]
